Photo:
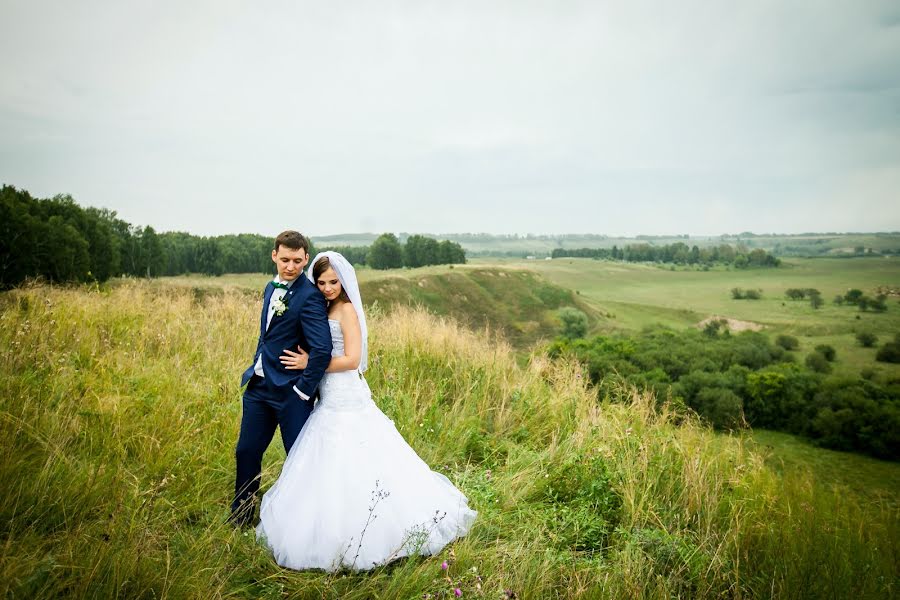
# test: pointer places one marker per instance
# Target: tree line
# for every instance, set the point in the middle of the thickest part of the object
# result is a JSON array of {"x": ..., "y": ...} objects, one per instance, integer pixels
[
  {"x": 744, "y": 379},
  {"x": 61, "y": 241},
  {"x": 677, "y": 253}
]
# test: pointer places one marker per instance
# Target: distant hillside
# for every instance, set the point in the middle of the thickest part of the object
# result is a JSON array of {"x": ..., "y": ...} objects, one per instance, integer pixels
[
  {"x": 521, "y": 245},
  {"x": 520, "y": 304}
]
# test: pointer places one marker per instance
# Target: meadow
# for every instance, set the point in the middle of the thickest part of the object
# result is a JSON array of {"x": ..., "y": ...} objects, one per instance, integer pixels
[
  {"x": 803, "y": 244},
  {"x": 120, "y": 406},
  {"x": 633, "y": 296}
]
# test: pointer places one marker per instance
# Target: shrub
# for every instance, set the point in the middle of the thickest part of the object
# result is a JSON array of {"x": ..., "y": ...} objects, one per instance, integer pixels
[
  {"x": 574, "y": 322},
  {"x": 866, "y": 339},
  {"x": 739, "y": 294},
  {"x": 890, "y": 353},
  {"x": 818, "y": 363},
  {"x": 853, "y": 295},
  {"x": 788, "y": 342},
  {"x": 723, "y": 408},
  {"x": 712, "y": 327},
  {"x": 827, "y": 351},
  {"x": 586, "y": 507}
]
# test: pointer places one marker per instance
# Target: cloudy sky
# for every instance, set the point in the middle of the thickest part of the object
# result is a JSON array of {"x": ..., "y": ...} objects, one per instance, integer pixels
[{"x": 505, "y": 116}]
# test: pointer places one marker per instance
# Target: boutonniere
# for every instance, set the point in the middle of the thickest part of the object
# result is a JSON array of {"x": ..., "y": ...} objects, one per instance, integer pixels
[{"x": 280, "y": 306}]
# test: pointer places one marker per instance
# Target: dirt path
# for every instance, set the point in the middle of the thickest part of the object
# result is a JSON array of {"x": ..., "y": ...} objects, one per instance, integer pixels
[{"x": 733, "y": 324}]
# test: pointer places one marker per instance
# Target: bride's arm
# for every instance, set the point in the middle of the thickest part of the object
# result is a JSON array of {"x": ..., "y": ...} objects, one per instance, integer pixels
[
  {"x": 352, "y": 342},
  {"x": 352, "y": 346}
]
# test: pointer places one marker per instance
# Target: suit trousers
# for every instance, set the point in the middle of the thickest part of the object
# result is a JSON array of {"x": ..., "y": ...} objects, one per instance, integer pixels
[{"x": 264, "y": 410}]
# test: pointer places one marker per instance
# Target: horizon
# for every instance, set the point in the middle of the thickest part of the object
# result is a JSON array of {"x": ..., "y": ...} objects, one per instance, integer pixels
[{"x": 622, "y": 116}]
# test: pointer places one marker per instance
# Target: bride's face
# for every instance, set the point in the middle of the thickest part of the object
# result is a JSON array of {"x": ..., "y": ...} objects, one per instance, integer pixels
[{"x": 329, "y": 284}]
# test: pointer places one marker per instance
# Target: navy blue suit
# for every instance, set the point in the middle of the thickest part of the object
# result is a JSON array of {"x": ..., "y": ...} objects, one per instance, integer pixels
[{"x": 275, "y": 399}]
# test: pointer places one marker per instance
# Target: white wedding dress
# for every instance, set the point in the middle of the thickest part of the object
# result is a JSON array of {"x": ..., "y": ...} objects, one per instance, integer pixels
[{"x": 352, "y": 493}]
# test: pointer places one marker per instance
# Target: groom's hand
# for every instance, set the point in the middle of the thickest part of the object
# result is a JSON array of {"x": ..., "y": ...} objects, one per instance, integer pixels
[{"x": 294, "y": 361}]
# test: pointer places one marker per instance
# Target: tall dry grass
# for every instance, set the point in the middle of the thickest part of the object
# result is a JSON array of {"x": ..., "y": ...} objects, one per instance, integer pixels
[{"x": 119, "y": 409}]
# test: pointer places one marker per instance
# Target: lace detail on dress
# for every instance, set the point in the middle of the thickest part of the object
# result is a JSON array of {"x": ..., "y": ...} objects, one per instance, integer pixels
[
  {"x": 344, "y": 390},
  {"x": 337, "y": 338}
]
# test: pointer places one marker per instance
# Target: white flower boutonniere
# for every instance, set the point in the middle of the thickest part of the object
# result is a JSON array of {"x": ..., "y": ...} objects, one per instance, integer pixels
[{"x": 280, "y": 307}]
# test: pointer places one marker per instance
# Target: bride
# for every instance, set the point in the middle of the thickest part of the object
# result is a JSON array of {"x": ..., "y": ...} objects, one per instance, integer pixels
[{"x": 352, "y": 493}]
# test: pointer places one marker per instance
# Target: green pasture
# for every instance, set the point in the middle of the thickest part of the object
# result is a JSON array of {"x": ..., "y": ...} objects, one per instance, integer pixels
[
  {"x": 627, "y": 296},
  {"x": 638, "y": 295},
  {"x": 804, "y": 244},
  {"x": 876, "y": 482}
]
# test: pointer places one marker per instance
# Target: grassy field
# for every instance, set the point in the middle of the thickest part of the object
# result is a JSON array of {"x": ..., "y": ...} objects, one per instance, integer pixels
[
  {"x": 637, "y": 295},
  {"x": 874, "y": 481},
  {"x": 811, "y": 244},
  {"x": 119, "y": 408},
  {"x": 519, "y": 304},
  {"x": 504, "y": 295}
]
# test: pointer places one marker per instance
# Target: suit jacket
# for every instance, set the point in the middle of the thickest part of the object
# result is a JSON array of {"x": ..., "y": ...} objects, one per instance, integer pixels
[{"x": 304, "y": 324}]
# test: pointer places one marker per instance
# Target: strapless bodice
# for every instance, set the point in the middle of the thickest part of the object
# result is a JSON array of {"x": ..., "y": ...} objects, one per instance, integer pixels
[
  {"x": 343, "y": 390},
  {"x": 337, "y": 338}
]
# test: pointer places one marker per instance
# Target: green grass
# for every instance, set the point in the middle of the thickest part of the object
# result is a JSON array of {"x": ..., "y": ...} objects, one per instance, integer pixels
[
  {"x": 639, "y": 295},
  {"x": 519, "y": 304},
  {"x": 814, "y": 244},
  {"x": 874, "y": 481},
  {"x": 119, "y": 410}
]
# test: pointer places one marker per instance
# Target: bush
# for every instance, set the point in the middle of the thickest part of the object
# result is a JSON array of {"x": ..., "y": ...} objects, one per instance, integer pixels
[
  {"x": 788, "y": 342},
  {"x": 739, "y": 294},
  {"x": 712, "y": 327},
  {"x": 722, "y": 408},
  {"x": 879, "y": 304},
  {"x": 818, "y": 363},
  {"x": 574, "y": 322},
  {"x": 890, "y": 353},
  {"x": 586, "y": 507},
  {"x": 853, "y": 296},
  {"x": 866, "y": 339},
  {"x": 827, "y": 351}
]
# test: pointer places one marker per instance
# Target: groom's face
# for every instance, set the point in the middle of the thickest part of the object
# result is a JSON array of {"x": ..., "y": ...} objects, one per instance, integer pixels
[{"x": 290, "y": 262}]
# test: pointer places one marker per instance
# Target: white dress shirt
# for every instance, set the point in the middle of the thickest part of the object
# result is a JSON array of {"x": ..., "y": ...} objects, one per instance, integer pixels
[{"x": 277, "y": 294}]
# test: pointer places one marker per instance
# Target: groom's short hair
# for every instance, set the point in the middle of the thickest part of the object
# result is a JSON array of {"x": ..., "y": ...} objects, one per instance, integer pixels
[{"x": 293, "y": 240}]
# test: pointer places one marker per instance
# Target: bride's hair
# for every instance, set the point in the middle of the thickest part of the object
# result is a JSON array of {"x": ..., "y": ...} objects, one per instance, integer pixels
[{"x": 322, "y": 265}]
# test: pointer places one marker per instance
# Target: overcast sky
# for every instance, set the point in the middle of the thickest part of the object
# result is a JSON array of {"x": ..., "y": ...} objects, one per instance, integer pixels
[{"x": 501, "y": 116}]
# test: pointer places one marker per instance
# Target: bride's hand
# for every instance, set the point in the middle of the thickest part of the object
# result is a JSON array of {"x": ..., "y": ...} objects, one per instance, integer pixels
[{"x": 295, "y": 361}]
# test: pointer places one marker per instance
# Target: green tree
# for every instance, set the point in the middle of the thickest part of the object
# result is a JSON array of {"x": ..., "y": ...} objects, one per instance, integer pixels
[
  {"x": 853, "y": 296},
  {"x": 420, "y": 251},
  {"x": 788, "y": 342},
  {"x": 889, "y": 353},
  {"x": 866, "y": 339},
  {"x": 818, "y": 362},
  {"x": 815, "y": 300},
  {"x": 827, "y": 351},
  {"x": 385, "y": 253},
  {"x": 208, "y": 258},
  {"x": 152, "y": 251},
  {"x": 451, "y": 253},
  {"x": 574, "y": 322}
]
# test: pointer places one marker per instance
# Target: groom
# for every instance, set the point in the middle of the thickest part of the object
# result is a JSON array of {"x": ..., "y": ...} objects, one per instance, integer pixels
[{"x": 293, "y": 313}]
